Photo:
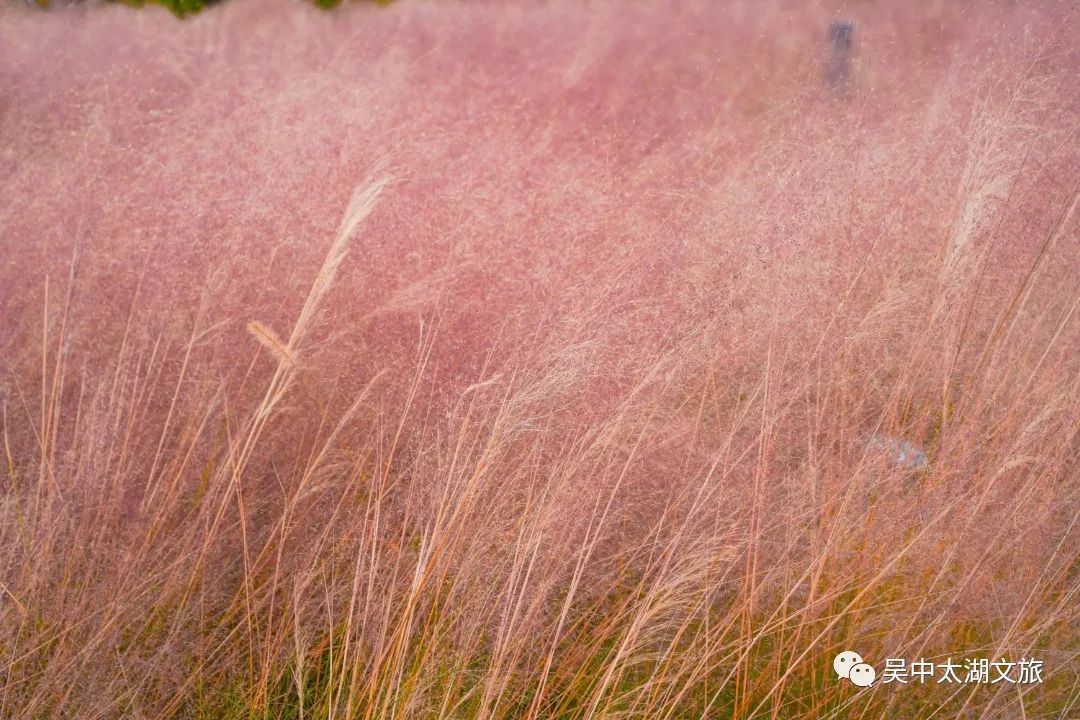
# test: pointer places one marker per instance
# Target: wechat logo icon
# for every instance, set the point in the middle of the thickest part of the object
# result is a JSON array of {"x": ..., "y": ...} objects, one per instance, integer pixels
[{"x": 850, "y": 666}]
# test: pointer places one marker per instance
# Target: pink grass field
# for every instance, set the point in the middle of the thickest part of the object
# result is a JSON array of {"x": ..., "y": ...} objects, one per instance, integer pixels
[{"x": 523, "y": 360}]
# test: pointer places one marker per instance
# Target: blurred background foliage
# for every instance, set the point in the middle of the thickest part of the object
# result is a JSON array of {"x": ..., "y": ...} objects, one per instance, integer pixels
[{"x": 183, "y": 8}]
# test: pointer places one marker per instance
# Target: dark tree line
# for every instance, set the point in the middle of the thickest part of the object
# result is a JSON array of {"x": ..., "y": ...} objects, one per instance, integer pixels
[{"x": 183, "y": 8}]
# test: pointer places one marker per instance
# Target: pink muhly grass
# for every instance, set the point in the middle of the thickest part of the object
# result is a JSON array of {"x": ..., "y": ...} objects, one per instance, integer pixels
[{"x": 526, "y": 360}]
